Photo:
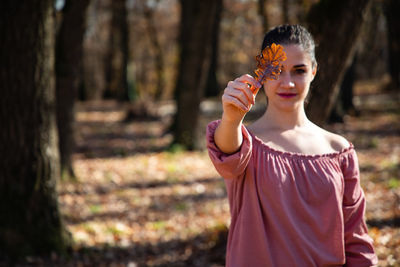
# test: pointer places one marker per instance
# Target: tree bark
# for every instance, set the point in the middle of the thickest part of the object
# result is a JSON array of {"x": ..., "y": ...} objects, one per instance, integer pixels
[
  {"x": 197, "y": 20},
  {"x": 30, "y": 221},
  {"x": 344, "y": 101},
  {"x": 117, "y": 60},
  {"x": 95, "y": 50},
  {"x": 69, "y": 47},
  {"x": 340, "y": 21},
  {"x": 159, "y": 54},
  {"x": 212, "y": 85},
  {"x": 392, "y": 8},
  {"x": 262, "y": 11},
  {"x": 285, "y": 11}
]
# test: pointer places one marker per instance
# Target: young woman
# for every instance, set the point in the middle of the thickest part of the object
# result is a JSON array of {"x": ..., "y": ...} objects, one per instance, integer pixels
[{"x": 293, "y": 188}]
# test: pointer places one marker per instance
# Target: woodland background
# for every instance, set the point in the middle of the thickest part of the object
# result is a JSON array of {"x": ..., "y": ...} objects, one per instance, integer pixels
[{"x": 103, "y": 113}]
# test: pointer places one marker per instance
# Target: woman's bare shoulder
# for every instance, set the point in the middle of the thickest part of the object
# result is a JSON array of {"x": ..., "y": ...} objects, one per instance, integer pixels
[{"x": 336, "y": 141}]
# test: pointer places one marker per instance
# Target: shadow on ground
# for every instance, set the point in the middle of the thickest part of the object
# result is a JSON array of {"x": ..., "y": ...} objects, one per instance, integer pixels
[{"x": 207, "y": 249}]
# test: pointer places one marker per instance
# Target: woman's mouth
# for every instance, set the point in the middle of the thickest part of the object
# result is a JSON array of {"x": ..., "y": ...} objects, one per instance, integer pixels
[{"x": 287, "y": 95}]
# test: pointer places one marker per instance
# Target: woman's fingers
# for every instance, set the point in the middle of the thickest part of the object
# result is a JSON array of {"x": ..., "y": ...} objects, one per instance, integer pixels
[
  {"x": 239, "y": 94},
  {"x": 228, "y": 99},
  {"x": 244, "y": 88},
  {"x": 247, "y": 79}
]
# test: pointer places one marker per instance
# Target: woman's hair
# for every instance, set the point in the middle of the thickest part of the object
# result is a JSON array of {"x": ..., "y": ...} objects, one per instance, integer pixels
[{"x": 291, "y": 34}]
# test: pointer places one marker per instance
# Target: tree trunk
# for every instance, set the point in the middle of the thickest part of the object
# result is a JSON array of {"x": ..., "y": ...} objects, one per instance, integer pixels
[
  {"x": 117, "y": 60},
  {"x": 197, "y": 20},
  {"x": 159, "y": 54},
  {"x": 212, "y": 85},
  {"x": 69, "y": 46},
  {"x": 344, "y": 102},
  {"x": 392, "y": 8},
  {"x": 329, "y": 20},
  {"x": 347, "y": 86},
  {"x": 285, "y": 11},
  {"x": 301, "y": 10},
  {"x": 262, "y": 11},
  {"x": 30, "y": 221},
  {"x": 95, "y": 50}
]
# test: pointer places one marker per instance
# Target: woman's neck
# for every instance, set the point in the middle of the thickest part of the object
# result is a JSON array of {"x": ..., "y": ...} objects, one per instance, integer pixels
[{"x": 284, "y": 120}]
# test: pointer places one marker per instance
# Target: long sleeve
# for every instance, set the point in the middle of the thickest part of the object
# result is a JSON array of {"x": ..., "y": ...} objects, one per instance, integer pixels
[
  {"x": 358, "y": 245},
  {"x": 229, "y": 165}
]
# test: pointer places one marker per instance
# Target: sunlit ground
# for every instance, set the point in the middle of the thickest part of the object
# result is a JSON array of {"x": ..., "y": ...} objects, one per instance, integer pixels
[{"x": 137, "y": 204}]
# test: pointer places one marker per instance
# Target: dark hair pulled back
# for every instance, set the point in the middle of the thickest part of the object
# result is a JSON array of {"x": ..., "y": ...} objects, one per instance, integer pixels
[{"x": 291, "y": 34}]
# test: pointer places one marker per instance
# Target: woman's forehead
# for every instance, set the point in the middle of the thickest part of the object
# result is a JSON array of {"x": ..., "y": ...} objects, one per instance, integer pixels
[{"x": 296, "y": 55}]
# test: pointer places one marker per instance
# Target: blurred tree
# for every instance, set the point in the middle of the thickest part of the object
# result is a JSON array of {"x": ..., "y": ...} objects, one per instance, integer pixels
[
  {"x": 212, "y": 85},
  {"x": 159, "y": 54},
  {"x": 95, "y": 48},
  {"x": 347, "y": 86},
  {"x": 30, "y": 221},
  {"x": 344, "y": 102},
  {"x": 372, "y": 54},
  {"x": 196, "y": 27},
  {"x": 329, "y": 20},
  {"x": 392, "y": 9},
  {"x": 285, "y": 11},
  {"x": 262, "y": 11},
  {"x": 118, "y": 53},
  {"x": 69, "y": 46},
  {"x": 302, "y": 8}
]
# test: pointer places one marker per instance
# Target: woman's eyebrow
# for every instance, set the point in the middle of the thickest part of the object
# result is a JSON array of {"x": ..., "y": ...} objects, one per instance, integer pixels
[{"x": 299, "y": 66}]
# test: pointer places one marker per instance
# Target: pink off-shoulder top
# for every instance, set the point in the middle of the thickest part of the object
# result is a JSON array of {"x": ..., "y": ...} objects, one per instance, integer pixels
[{"x": 290, "y": 209}]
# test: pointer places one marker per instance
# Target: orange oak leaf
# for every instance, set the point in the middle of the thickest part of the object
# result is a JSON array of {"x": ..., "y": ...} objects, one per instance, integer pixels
[{"x": 269, "y": 65}]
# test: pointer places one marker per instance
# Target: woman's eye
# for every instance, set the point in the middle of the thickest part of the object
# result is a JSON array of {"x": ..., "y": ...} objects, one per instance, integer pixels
[{"x": 299, "y": 71}]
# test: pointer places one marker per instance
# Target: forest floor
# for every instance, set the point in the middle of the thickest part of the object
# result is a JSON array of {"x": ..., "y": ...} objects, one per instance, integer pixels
[{"x": 139, "y": 202}]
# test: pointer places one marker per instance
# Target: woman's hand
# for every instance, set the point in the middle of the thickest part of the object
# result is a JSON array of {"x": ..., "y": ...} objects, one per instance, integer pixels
[
  {"x": 236, "y": 101},
  {"x": 238, "y": 98}
]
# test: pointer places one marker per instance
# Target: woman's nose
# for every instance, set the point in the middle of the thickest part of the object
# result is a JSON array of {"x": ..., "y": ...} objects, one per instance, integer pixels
[{"x": 286, "y": 80}]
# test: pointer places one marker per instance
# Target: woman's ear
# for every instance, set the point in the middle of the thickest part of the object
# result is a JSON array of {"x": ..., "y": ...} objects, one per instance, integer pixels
[{"x": 314, "y": 71}]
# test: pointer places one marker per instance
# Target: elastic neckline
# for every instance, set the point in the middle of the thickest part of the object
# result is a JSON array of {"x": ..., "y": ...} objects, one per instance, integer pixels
[{"x": 301, "y": 155}]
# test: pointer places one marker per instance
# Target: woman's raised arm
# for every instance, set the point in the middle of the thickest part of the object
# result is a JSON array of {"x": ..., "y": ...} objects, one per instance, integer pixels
[{"x": 237, "y": 100}]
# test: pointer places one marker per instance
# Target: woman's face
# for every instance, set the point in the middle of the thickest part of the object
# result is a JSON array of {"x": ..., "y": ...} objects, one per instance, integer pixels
[{"x": 289, "y": 91}]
